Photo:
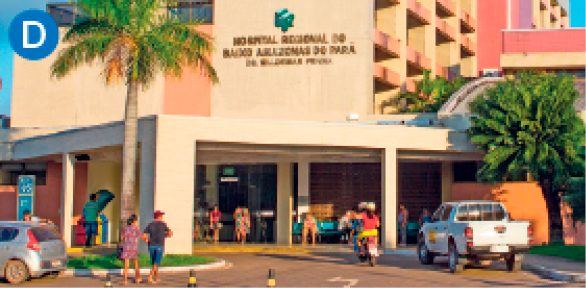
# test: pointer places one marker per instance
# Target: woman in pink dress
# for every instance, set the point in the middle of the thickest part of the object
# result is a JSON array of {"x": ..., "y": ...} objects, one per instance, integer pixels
[{"x": 130, "y": 236}]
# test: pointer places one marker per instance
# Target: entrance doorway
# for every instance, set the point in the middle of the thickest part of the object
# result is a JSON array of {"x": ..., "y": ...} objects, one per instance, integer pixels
[{"x": 230, "y": 186}]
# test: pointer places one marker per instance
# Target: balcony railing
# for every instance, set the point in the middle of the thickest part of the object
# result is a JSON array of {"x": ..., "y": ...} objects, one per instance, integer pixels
[
  {"x": 417, "y": 59},
  {"x": 387, "y": 43},
  {"x": 448, "y": 6},
  {"x": 445, "y": 29},
  {"x": 468, "y": 45},
  {"x": 468, "y": 21},
  {"x": 543, "y": 5},
  {"x": 386, "y": 75},
  {"x": 418, "y": 11}
]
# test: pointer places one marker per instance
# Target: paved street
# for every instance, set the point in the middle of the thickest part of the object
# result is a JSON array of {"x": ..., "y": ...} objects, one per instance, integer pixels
[{"x": 327, "y": 269}]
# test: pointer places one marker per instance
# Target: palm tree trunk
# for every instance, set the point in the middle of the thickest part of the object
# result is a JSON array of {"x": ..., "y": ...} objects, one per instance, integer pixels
[
  {"x": 130, "y": 151},
  {"x": 554, "y": 214}
]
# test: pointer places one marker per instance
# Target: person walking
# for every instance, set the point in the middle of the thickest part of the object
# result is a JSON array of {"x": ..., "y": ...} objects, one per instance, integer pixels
[
  {"x": 403, "y": 217},
  {"x": 215, "y": 224},
  {"x": 155, "y": 234},
  {"x": 130, "y": 236},
  {"x": 241, "y": 218},
  {"x": 90, "y": 214}
]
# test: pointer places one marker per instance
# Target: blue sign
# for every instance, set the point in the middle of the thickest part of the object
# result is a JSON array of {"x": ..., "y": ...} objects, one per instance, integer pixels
[
  {"x": 33, "y": 34},
  {"x": 25, "y": 203},
  {"x": 26, "y": 195}
]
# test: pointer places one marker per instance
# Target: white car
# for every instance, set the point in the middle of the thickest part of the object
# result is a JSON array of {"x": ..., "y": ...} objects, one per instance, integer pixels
[{"x": 474, "y": 232}]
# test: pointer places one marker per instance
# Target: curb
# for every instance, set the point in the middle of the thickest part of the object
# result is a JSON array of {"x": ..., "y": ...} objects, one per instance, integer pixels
[
  {"x": 398, "y": 252},
  {"x": 104, "y": 272},
  {"x": 553, "y": 274}
]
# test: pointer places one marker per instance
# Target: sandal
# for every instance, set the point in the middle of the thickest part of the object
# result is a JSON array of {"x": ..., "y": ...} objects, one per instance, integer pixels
[{"x": 138, "y": 280}]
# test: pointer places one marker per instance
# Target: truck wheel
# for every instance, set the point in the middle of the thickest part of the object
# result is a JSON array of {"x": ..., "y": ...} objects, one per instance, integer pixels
[
  {"x": 425, "y": 256},
  {"x": 453, "y": 260},
  {"x": 15, "y": 272},
  {"x": 512, "y": 265}
]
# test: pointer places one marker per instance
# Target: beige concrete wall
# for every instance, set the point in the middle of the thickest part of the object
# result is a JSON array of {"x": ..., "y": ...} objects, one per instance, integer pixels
[
  {"x": 108, "y": 176},
  {"x": 294, "y": 92},
  {"x": 79, "y": 99},
  {"x": 544, "y": 60}
]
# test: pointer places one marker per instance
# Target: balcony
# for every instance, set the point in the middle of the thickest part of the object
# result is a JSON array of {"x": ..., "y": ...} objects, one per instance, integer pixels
[
  {"x": 468, "y": 45},
  {"x": 446, "y": 6},
  {"x": 417, "y": 59},
  {"x": 555, "y": 14},
  {"x": 441, "y": 71},
  {"x": 410, "y": 85},
  {"x": 535, "y": 23},
  {"x": 543, "y": 4},
  {"x": 468, "y": 21},
  {"x": 445, "y": 29},
  {"x": 418, "y": 11},
  {"x": 387, "y": 43},
  {"x": 386, "y": 76}
]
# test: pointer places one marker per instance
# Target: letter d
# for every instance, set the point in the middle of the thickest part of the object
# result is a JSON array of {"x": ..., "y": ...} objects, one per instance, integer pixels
[{"x": 25, "y": 43}]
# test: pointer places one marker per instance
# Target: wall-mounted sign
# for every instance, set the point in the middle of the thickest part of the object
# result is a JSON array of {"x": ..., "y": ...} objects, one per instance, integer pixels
[
  {"x": 229, "y": 171},
  {"x": 26, "y": 195}
]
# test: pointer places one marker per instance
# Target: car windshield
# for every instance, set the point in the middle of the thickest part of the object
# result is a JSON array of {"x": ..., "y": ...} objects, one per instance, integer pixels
[{"x": 45, "y": 234}]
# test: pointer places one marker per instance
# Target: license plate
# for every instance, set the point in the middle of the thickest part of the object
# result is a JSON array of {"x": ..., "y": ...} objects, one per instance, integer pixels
[
  {"x": 56, "y": 263},
  {"x": 499, "y": 249}
]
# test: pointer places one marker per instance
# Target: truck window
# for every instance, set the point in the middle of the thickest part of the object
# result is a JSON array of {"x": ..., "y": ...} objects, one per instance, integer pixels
[
  {"x": 437, "y": 215},
  {"x": 462, "y": 214},
  {"x": 447, "y": 211},
  {"x": 486, "y": 212},
  {"x": 499, "y": 212},
  {"x": 474, "y": 212}
]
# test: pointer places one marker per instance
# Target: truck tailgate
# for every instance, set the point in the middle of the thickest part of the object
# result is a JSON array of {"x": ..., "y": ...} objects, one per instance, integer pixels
[{"x": 499, "y": 233}]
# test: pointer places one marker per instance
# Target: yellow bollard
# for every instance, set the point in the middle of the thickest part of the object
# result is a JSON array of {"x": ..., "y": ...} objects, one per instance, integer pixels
[
  {"x": 271, "y": 280},
  {"x": 192, "y": 280}
]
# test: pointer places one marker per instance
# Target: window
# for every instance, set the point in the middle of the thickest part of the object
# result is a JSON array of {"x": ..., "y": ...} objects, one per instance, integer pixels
[
  {"x": 499, "y": 212},
  {"x": 437, "y": 215},
  {"x": 465, "y": 171},
  {"x": 474, "y": 212},
  {"x": 9, "y": 172},
  {"x": 447, "y": 211},
  {"x": 486, "y": 212},
  {"x": 8, "y": 234},
  {"x": 45, "y": 234},
  {"x": 462, "y": 214},
  {"x": 194, "y": 11}
]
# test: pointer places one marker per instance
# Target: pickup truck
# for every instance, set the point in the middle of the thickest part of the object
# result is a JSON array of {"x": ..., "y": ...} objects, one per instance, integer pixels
[{"x": 474, "y": 232}]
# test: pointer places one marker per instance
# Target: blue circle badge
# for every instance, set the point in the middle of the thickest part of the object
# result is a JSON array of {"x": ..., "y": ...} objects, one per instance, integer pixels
[{"x": 33, "y": 34}]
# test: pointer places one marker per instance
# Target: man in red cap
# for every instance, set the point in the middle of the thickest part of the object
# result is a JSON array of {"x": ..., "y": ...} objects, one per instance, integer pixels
[{"x": 155, "y": 234}]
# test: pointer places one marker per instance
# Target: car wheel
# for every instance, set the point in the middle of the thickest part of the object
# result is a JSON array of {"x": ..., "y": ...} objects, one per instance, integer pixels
[
  {"x": 512, "y": 265},
  {"x": 15, "y": 272},
  {"x": 425, "y": 256},
  {"x": 453, "y": 260}
]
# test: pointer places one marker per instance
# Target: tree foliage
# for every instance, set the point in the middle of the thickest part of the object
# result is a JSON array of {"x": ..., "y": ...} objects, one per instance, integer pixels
[
  {"x": 430, "y": 94},
  {"x": 529, "y": 125}
]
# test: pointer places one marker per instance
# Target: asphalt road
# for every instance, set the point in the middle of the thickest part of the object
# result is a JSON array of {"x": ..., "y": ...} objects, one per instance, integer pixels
[{"x": 325, "y": 270}]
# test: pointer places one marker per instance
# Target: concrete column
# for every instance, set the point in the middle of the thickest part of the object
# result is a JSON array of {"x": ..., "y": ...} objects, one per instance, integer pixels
[
  {"x": 389, "y": 198},
  {"x": 174, "y": 186},
  {"x": 67, "y": 196},
  {"x": 447, "y": 179},
  {"x": 303, "y": 197},
  {"x": 284, "y": 203},
  {"x": 147, "y": 179}
]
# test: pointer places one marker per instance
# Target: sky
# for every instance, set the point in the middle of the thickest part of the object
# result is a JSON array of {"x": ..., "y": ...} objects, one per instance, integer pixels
[
  {"x": 577, "y": 13},
  {"x": 8, "y": 10}
]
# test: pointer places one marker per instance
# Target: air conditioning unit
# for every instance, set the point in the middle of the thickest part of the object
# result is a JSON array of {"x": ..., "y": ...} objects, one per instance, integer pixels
[{"x": 491, "y": 73}]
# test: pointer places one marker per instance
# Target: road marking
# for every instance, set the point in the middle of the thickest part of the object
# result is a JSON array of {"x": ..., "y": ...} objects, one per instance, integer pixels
[{"x": 351, "y": 282}]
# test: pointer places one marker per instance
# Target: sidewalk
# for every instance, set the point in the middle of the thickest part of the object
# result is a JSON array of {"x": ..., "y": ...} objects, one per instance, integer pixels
[{"x": 555, "y": 268}]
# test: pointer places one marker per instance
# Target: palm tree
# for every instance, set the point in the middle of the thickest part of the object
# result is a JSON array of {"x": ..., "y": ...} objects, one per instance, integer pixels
[
  {"x": 529, "y": 126},
  {"x": 135, "y": 40}
]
